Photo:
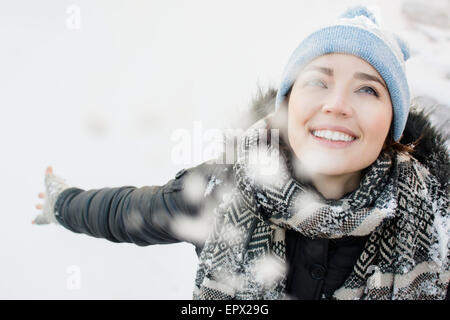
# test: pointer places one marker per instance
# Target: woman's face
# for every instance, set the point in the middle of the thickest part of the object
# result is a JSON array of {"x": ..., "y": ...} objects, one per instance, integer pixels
[{"x": 339, "y": 115}]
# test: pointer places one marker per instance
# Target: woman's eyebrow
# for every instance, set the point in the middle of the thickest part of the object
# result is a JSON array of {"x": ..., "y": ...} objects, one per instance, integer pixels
[
  {"x": 365, "y": 76},
  {"x": 327, "y": 71},
  {"x": 356, "y": 75}
]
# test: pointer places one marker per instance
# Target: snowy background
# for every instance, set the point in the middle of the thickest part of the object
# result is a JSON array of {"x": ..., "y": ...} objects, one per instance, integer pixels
[{"x": 97, "y": 88}]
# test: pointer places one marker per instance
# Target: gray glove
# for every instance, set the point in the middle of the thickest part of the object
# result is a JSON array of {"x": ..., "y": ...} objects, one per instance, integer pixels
[{"x": 54, "y": 186}]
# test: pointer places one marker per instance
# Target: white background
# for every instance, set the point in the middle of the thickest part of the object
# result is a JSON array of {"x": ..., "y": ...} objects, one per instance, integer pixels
[{"x": 100, "y": 102}]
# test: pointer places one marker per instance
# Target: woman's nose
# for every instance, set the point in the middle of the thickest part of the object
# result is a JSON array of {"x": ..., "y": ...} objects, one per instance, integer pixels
[{"x": 338, "y": 105}]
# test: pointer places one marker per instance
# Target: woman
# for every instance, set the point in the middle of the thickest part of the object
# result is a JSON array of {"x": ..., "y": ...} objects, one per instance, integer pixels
[{"x": 335, "y": 206}]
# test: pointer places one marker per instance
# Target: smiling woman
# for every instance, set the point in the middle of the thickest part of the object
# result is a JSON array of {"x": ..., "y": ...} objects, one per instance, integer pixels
[
  {"x": 344, "y": 213},
  {"x": 339, "y": 114},
  {"x": 343, "y": 97}
]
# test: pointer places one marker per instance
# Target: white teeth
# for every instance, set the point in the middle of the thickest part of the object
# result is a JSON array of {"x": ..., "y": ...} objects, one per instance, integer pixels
[{"x": 333, "y": 135}]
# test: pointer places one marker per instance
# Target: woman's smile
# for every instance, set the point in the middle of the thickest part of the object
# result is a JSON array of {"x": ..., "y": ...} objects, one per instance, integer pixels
[
  {"x": 332, "y": 139},
  {"x": 333, "y": 136}
]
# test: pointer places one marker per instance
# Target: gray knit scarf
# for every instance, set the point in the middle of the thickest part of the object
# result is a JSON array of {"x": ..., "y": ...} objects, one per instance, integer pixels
[{"x": 398, "y": 203}]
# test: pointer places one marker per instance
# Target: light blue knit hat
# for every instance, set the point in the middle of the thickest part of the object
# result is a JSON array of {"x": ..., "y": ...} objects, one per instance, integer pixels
[{"x": 357, "y": 32}]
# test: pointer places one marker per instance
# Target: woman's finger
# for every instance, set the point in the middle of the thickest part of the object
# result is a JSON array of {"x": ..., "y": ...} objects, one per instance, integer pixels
[
  {"x": 49, "y": 170},
  {"x": 41, "y": 195},
  {"x": 39, "y": 206}
]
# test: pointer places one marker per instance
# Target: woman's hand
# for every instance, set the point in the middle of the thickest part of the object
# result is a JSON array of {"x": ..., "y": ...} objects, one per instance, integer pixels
[{"x": 54, "y": 185}]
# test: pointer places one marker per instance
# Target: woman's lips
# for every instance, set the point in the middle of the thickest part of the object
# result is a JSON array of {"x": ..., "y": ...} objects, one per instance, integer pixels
[
  {"x": 332, "y": 144},
  {"x": 335, "y": 128}
]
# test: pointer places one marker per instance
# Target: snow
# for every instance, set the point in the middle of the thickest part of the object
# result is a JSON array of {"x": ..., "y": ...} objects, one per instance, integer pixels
[
  {"x": 194, "y": 187},
  {"x": 441, "y": 227},
  {"x": 195, "y": 229},
  {"x": 213, "y": 182},
  {"x": 264, "y": 167},
  {"x": 100, "y": 103},
  {"x": 269, "y": 270},
  {"x": 306, "y": 204}
]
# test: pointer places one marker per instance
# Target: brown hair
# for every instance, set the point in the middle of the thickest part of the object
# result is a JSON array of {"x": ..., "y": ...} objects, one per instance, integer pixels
[{"x": 390, "y": 143}]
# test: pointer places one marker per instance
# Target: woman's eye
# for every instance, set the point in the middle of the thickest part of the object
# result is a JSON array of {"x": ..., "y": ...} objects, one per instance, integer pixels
[
  {"x": 369, "y": 90},
  {"x": 316, "y": 82}
]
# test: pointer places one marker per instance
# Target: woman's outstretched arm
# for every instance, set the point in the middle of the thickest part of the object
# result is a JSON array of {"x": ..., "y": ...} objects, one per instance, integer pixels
[{"x": 143, "y": 216}]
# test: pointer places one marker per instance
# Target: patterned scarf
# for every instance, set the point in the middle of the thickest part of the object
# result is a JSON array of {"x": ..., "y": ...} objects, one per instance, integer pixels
[{"x": 398, "y": 203}]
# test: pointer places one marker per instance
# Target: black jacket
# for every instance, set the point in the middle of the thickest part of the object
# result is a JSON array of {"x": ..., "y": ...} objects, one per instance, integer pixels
[{"x": 144, "y": 215}]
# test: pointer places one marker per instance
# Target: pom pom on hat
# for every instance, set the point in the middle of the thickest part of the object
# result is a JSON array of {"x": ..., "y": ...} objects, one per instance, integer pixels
[
  {"x": 403, "y": 46},
  {"x": 359, "y": 11}
]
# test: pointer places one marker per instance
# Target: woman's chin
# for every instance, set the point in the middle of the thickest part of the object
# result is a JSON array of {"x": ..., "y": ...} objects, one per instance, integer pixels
[
  {"x": 317, "y": 162},
  {"x": 332, "y": 170}
]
